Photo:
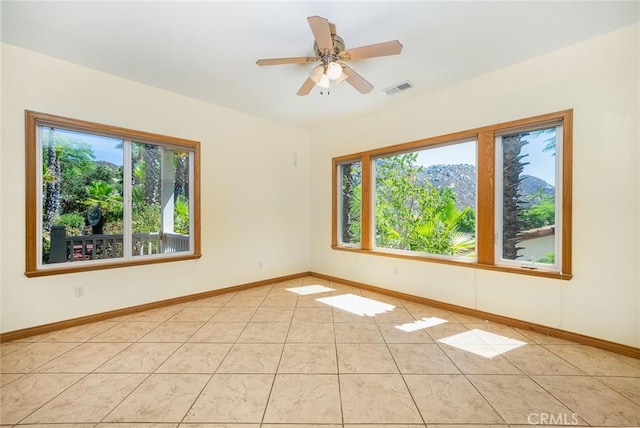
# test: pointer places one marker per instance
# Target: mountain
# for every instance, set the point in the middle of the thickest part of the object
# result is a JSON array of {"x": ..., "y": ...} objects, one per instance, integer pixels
[{"x": 462, "y": 178}]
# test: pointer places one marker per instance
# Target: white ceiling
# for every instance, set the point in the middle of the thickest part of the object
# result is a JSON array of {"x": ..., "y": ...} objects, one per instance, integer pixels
[{"x": 207, "y": 49}]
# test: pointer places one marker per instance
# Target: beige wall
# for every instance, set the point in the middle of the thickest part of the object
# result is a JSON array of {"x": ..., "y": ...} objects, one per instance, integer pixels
[
  {"x": 266, "y": 212},
  {"x": 255, "y": 202},
  {"x": 599, "y": 80}
]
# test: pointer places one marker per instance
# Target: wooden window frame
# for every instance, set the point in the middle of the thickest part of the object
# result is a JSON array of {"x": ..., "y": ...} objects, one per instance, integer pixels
[
  {"x": 35, "y": 119},
  {"x": 485, "y": 202}
]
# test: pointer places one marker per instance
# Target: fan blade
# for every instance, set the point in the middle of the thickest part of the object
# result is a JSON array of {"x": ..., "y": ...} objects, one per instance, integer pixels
[
  {"x": 356, "y": 80},
  {"x": 279, "y": 61},
  {"x": 371, "y": 51},
  {"x": 306, "y": 87},
  {"x": 322, "y": 33}
]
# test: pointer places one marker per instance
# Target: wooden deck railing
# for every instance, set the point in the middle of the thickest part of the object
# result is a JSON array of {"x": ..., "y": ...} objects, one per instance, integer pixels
[{"x": 98, "y": 247}]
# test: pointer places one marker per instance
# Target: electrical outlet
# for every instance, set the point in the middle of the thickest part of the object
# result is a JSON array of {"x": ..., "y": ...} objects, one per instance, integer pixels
[
  {"x": 395, "y": 270},
  {"x": 260, "y": 264},
  {"x": 79, "y": 291}
]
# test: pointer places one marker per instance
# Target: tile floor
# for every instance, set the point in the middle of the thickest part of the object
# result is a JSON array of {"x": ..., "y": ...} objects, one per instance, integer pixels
[{"x": 311, "y": 352}]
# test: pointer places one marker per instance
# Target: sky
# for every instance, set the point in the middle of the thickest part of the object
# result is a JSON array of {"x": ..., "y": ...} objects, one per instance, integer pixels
[
  {"x": 104, "y": 148},
  {"x": 541, "y": 164}
]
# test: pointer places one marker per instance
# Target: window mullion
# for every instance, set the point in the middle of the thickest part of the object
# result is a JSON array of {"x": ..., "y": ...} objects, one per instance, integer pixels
[
  {"x": 127, "y": 246},
  {"x": 485, "y": 198},
  {"x": 366, "y": 205}
]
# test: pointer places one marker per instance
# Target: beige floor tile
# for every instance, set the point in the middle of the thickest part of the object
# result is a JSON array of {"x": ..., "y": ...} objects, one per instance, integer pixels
[
  {"x": 594, "y": 361},
  {"x": 476, "y": 363},
  {"x": 139, "y": 358},
  {"x": 357, "y": 333},
  {"x": 221, "y": 332},
  {"x": 543, "y": 339},
  {"x": 135, "y": 425},
  {"x": 516, "y": 397},
  {"x": 377, "y": 398},
  {"x": 84, "y": 358},
  {"x": 264, "y": 332},
  {"x": 55, "y": 425},
  {"x": 313, "y": 315},
  {"x": 245, "y": 301},
  {"x": 442, "y": 331},
  {"x": 252, "y": 358},
  {"x": 219, "y": 300},
  {"x": 592, "y": 401},
  {"x": 500, "y": 330},
  {"x": 255, "y": 291},
  {"x": 6, "y": 378},
  {"x": 196, "y": 425},
  {"x": 309, "y": 358},
  {"x": 422, "y": 359},
  {"x": 23, "y": 396},
  {"x": 300, "y": 426},
  {"x": 160, "y": 398},
  {"x": 298, "y": 398},
  {"x": 311, "y": 332},
  {"x": 9, "y": 347},
  {"x": 127, "y": 331},
  {"x": 467, "y": 319},
  {"x": 80, "y": 333},
  {"x": 33, "y": 356},
  {"x": 272, "y": 314},
  {"x": 340, "y": 316},
  {"x": 310, "y": 302},
  {"x": 392, "y": 334},
  {"x": 419, "y": 311},
  {"x": 399, "y": 315},
  {"x": 280, "y": 301},
  {"x": 450, "y": 399},
  {"x": 172, "y": 331},
  {"x": 232, "y": 398},
  {"x": 195, "y": 313},
  {"x": 627, "y": 386},
  {"x": 365, "y": 358},
  {"x": 536, "y": 360},
  {"x": 195, "y": 358},
  {"x": 159, "y": 314},
  {"x": 233, "y": 314},
  {"x": 89, "y": 400},
  {"x": 382, "y": 298}
]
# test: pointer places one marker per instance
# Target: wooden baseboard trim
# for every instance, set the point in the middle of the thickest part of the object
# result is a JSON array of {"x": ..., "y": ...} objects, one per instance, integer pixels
[
  {"x": 60, "y": 325},
  {"x": 606, "y": 345}
]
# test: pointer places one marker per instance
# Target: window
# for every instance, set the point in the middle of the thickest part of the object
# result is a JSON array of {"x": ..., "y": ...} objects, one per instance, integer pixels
[
  {"x": 350, "y": 203},
  {"x": 425, "y": 200},
  {"x": 528, "y": 188},
  {"x": 496, "y": 197},
  {"x": 100, "y": 196}
]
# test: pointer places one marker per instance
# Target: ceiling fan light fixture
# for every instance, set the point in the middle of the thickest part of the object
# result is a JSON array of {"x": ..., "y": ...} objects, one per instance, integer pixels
[
  {"x": 316, "y": 73},
  {"x": 324, "y": 81},
  {"x": 334, "y": 70}
]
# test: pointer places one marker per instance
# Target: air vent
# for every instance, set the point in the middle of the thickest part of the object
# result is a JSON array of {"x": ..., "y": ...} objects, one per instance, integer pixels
[{"x": 399, "y": 88}]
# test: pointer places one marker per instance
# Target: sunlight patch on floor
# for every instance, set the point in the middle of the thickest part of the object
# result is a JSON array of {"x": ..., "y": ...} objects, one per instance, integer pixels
[
  {"x": 310, "y": 289},
  {"x": 483, "y": 343},
  {"x": 421, "y": 324},
  {"x": 357, "y": 305}
]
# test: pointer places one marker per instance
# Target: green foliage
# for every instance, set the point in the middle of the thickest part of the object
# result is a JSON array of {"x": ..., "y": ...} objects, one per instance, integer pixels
[
  {"x": 540, "y": 211},
  {"x": 146, "y": 218},
  {"x": 416, "y": 216},
  {"x": 181, "y": 215},
  {"x": 74, "y": 223},
  {"x": 107, "y": 197},
  {"x": 549, "y": 258}
]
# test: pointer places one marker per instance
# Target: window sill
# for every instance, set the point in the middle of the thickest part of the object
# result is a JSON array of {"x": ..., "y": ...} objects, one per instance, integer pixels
[
  {"x": 462, "y": 263},
  {"x": 102, "y": 266}
]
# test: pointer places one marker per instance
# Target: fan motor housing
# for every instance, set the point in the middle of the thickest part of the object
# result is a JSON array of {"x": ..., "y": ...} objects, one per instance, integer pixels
[{"x": 338, "y": 46}]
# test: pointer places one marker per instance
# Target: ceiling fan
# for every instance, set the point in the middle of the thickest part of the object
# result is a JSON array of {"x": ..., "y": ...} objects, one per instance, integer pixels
[{"x": 330, "y": 52}]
